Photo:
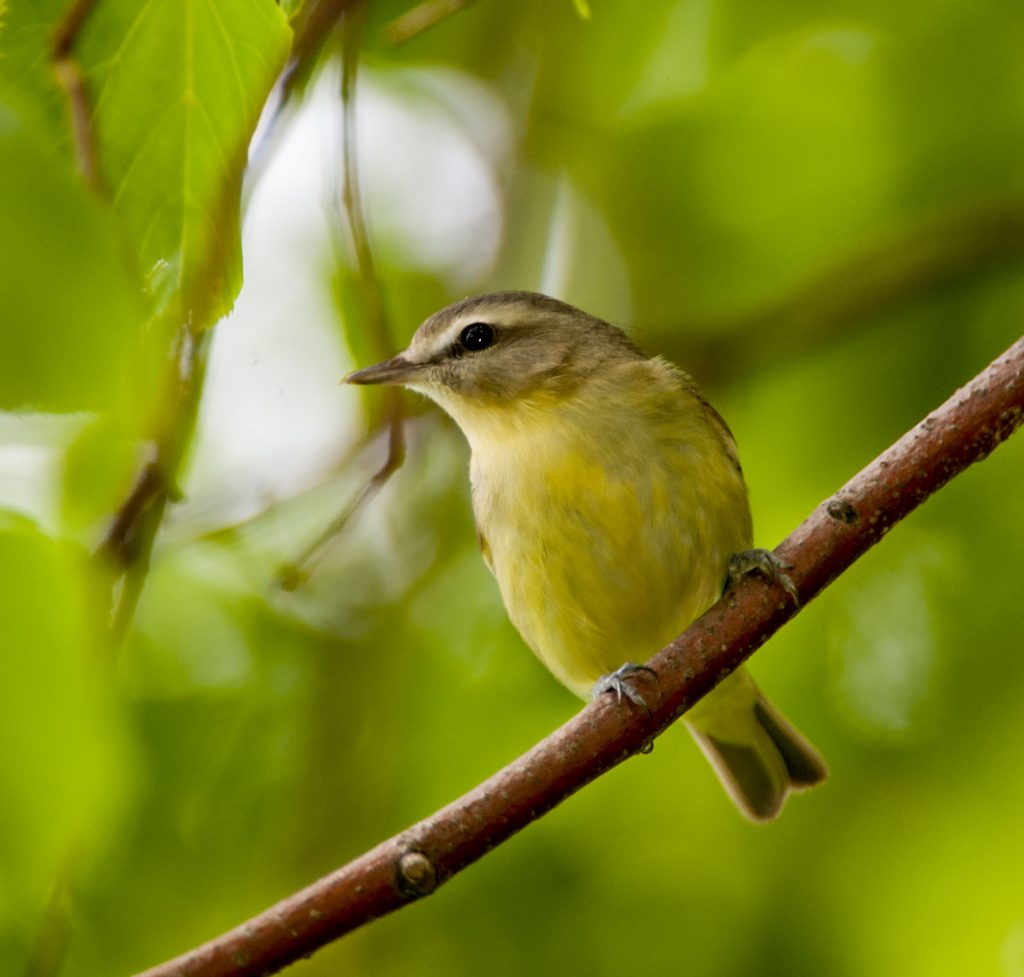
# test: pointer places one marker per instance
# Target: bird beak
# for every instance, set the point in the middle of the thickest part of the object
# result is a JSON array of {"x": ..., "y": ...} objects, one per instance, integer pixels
[{"x": 396, "y": 370}]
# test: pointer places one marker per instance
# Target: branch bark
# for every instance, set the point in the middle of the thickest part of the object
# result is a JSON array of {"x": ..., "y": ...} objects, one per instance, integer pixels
[{"x": 964, "y": 430}]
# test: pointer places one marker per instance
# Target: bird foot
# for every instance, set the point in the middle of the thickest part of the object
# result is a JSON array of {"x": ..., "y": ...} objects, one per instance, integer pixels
[
  {"x": 620, "y": 682},
  {"x": 767, "y": 564}
]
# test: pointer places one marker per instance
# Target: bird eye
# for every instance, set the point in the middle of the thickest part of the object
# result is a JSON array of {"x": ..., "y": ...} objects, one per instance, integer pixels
[{"x": 477, "y": 335}]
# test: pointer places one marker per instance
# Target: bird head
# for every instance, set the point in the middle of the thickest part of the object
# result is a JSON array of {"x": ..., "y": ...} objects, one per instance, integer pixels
[{"x": 502, "y": 350}]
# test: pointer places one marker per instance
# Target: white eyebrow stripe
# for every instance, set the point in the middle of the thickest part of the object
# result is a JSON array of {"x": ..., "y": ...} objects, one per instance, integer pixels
[
  {"x": 504, "y": 314},
  {"x": 429, "y": 349}
]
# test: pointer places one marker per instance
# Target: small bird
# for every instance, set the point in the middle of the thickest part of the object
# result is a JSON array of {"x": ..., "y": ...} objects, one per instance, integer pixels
[{"x": 611, "y": 508}]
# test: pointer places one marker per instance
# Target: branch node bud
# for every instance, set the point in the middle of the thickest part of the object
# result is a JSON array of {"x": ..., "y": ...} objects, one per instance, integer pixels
[
  {"x": 843, "y": 511},
  {"x": 416, "y": 874}
]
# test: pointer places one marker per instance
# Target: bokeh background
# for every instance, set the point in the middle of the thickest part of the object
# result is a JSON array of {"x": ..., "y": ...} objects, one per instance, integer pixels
[{"x": 815, "y": 208}]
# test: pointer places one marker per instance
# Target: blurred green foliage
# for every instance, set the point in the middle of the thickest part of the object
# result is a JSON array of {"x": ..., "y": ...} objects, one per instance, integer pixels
[{"x": 816, "y": 207}]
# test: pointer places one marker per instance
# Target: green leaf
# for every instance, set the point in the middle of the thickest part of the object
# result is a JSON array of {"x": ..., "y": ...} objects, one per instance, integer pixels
[
  {"x": 177, "y": 89},
  {"x": 26, "y": 33},
  {"x": 64, "y": 776},
  {"x": 794, "y": 135},
  {"x": 70, "y": 307},
  {"x": 99, "y": 466}
]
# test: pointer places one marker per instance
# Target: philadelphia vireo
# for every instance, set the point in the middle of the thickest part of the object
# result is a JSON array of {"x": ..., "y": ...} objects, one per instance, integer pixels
[{"x": 610, "y": 506}]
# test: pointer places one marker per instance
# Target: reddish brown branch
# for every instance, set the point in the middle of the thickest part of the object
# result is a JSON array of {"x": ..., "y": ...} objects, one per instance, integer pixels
[{"x": 964, "y": 430}]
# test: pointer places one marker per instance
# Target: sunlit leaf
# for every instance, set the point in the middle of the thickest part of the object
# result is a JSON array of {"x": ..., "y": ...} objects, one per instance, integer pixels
[
  {"x": 174, "y": 89},
  {"x": 177, "y": 90},
  {"x": 70, "y": 309}
]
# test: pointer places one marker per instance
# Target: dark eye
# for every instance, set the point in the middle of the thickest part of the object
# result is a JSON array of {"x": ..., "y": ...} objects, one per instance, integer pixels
[{"x": 477, "y": 335}]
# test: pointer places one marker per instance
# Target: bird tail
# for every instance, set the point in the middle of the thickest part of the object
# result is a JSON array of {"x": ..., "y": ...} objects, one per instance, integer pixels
[{"x": 758, "y": 755}]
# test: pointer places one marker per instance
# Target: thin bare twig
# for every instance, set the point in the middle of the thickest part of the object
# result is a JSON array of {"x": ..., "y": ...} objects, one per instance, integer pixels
[
  {"x": 422, "y": 17},
  {"x": 964, "y": 430},
  {"x": 128, "y": 542},
  {"x": 72, "y": 80},
  {"x": 46, "y": 957},
  {"x": 295, "y": 574},
  {"x": 371, "y": 289},
  {"x": 314, "y": 25},
  {"x": 371, "y": 293}
]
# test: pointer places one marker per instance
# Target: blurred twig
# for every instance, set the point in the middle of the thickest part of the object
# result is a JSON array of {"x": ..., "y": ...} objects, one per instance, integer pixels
[
  {"x": 298, "y": 572},
  {"x": 314, "y": 25},
  {"x": 371, "y": 290},
  {"x": 964, "y": 430},
  {"x": 71, "y": 79},
  {"x": 935, "y": 252},
  {"x": 128, "y": 543},
  {"x": 422, "y": 17},
  {"x": 371, "y": 294},
  {"x": 46, "y": 957}
]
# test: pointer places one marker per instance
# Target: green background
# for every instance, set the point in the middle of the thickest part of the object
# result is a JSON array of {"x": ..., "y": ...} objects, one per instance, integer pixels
[{"x": 815, "y": 208}]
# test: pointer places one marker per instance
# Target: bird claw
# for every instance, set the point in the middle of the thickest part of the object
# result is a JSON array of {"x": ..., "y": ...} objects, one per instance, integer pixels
[
  {"x": 619, "y": 682},
  {"x": 767, "y": 564}
]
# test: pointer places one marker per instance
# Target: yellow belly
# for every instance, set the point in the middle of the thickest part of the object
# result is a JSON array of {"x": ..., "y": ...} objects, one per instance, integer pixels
[{"x": 605, "y": 551}]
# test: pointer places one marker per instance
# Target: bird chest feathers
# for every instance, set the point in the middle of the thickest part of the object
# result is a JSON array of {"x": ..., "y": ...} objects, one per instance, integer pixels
[{"x": 606, "y": 539}]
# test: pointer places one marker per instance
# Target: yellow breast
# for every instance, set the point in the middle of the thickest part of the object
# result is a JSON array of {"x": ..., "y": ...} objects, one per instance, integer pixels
[{"x": 608, "y": 519}]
